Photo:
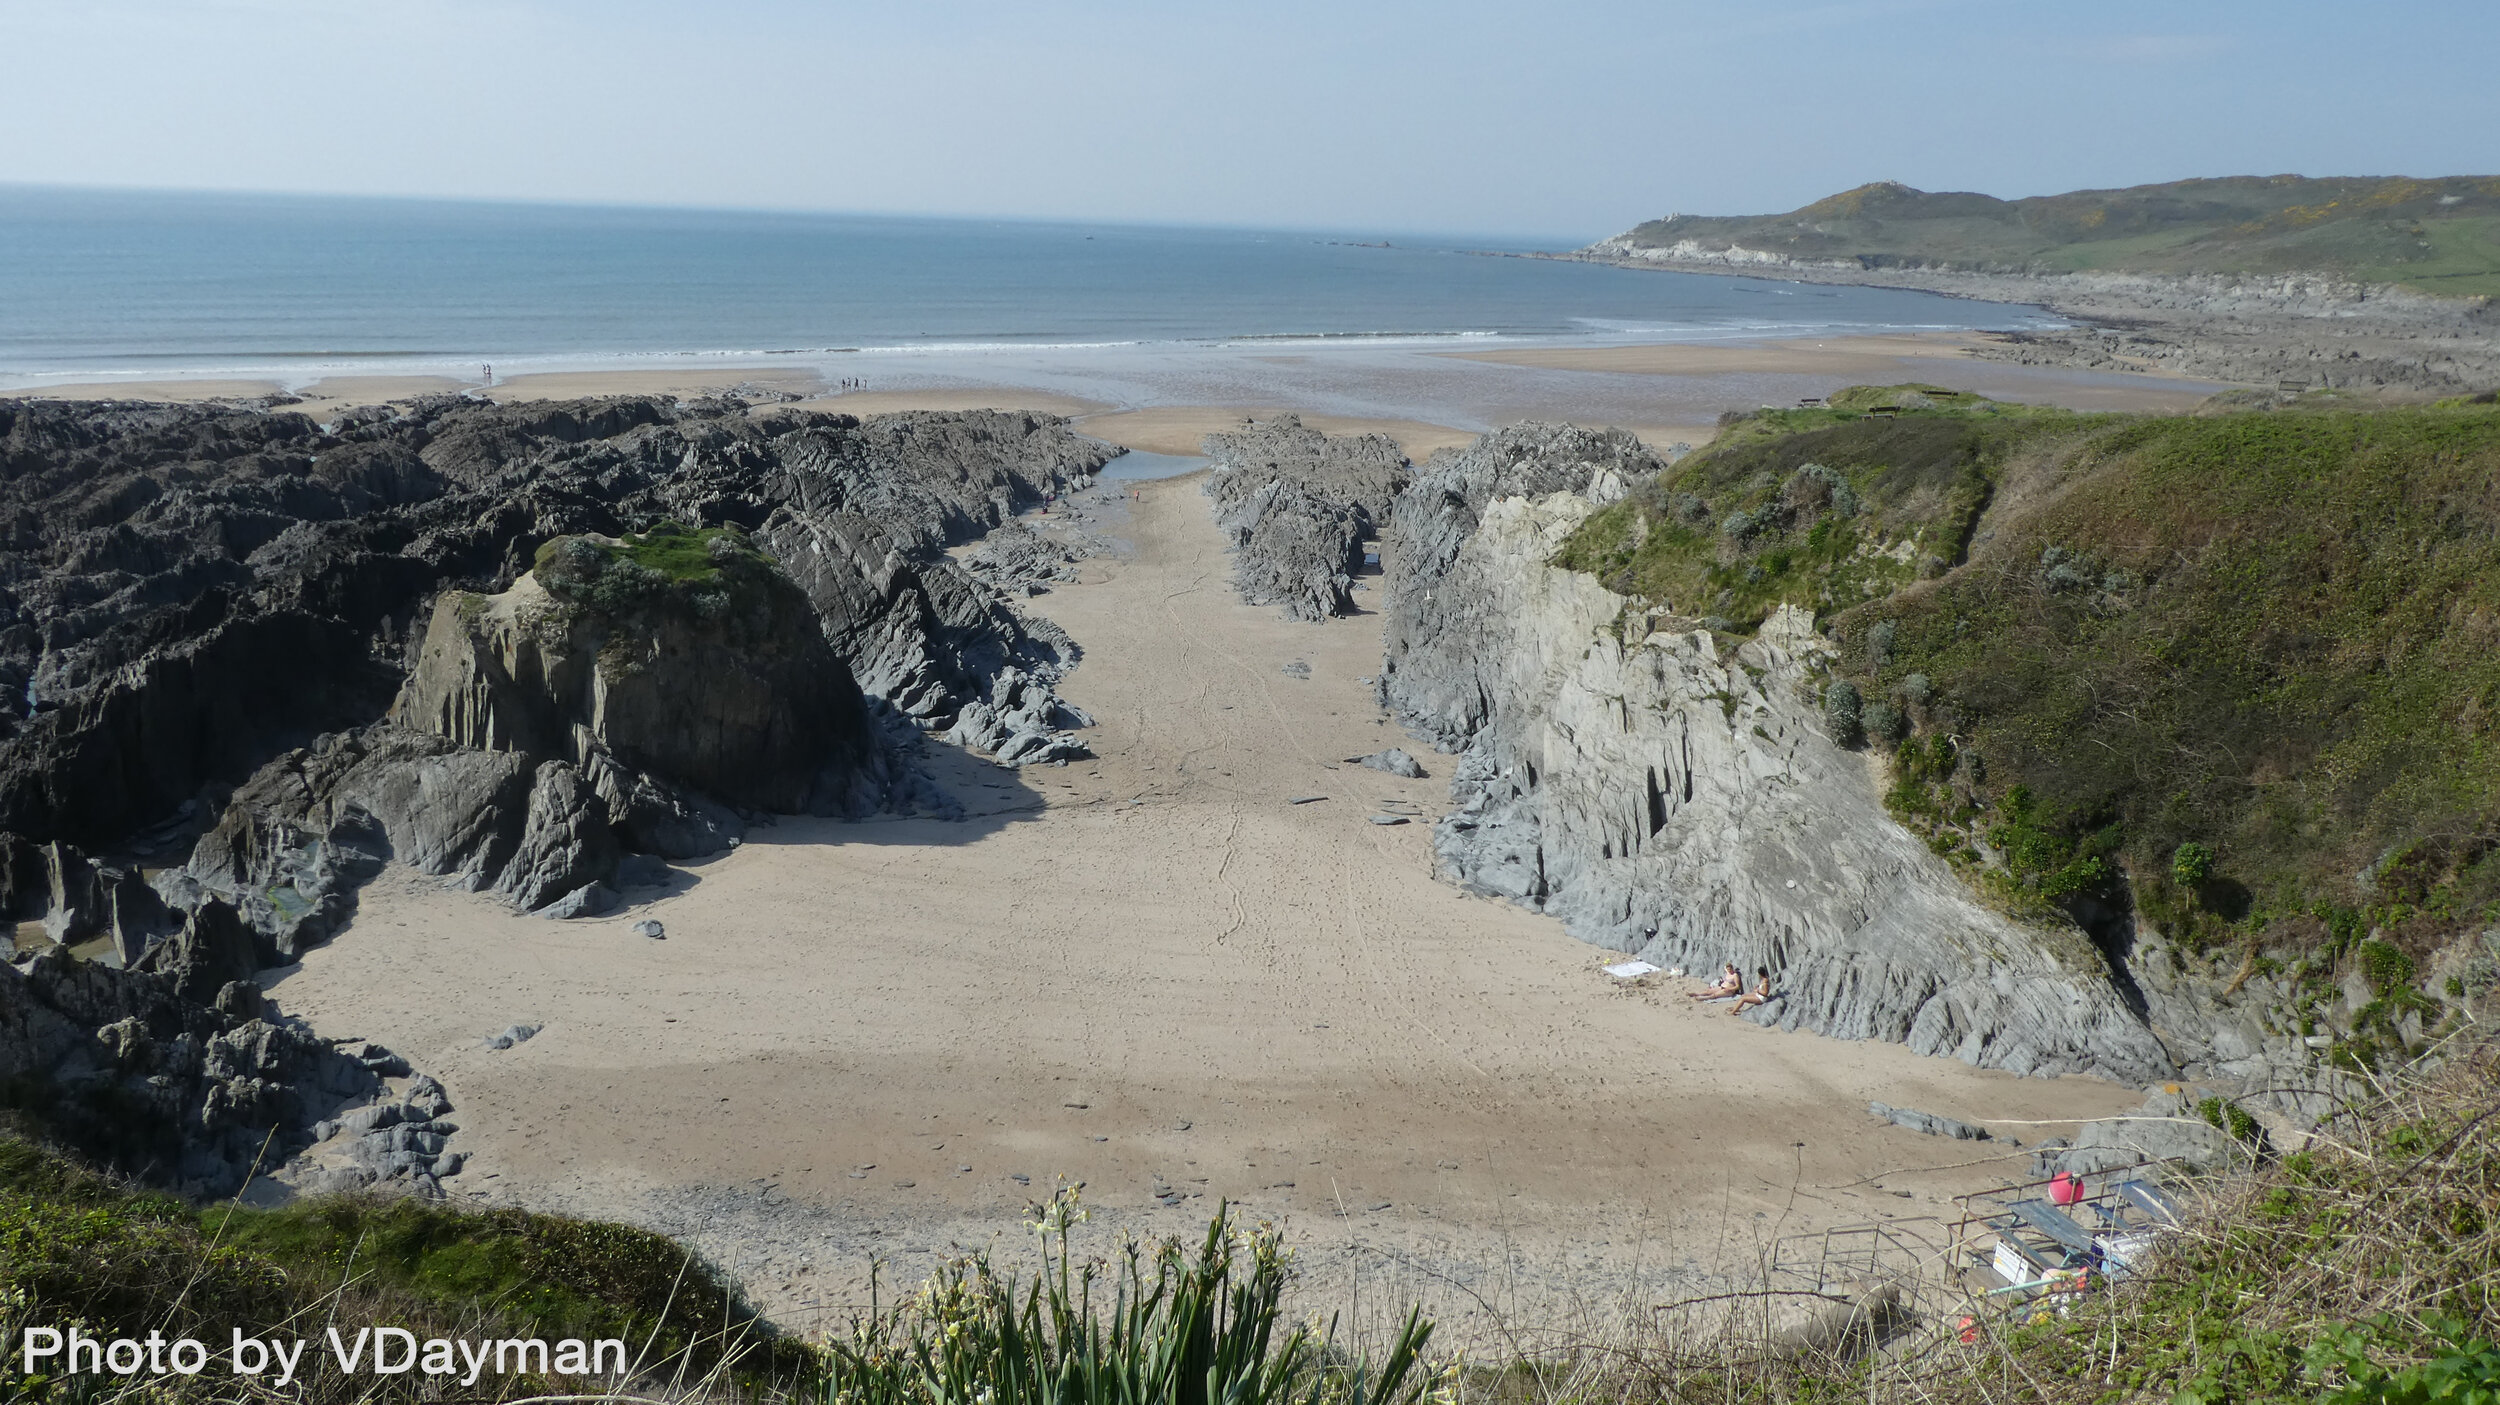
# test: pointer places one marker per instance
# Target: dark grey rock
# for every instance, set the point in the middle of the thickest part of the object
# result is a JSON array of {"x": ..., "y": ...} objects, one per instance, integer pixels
[
  {"x": 1297, "y": 505},
  {"x": 1929, "y": 1123},
  {"x": 650, "y": 927},
  {"x": 1389, "y": 819},
  {"x": 1394, "y": 761}
]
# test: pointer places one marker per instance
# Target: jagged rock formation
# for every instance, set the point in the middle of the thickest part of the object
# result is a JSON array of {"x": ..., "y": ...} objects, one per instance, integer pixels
[
  {"x": 1669, "y": 797},
  {"x": 1297, "y": 505},
  {"x": 207, "y": 612},
  {"x": 144, "y": 1073},
  {"x": 187, "y": 591},
  {"x": 1017, "y": 559},
  {"x": 723, "y": 682}
]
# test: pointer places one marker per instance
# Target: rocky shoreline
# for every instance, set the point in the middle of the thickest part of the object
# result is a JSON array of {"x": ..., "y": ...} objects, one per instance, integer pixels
[
  {"x": 540, "y": 651},
  {"x": 2283, "y": 331}
]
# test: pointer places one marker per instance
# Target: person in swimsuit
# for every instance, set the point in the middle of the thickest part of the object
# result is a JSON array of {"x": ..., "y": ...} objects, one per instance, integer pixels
[
  {"x": 1759, "y": 995},
  {"x": 1731, "y": 982}
]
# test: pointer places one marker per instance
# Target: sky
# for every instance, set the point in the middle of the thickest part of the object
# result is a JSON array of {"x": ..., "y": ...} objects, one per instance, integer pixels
[{"x": 1540, "y": 120}]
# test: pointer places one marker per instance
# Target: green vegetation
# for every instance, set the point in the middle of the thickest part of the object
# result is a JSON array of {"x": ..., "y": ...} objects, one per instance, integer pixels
[
  {"x": 2439, "y": 236},
  {"x": 2364, "y": 1270},
  {"x": 714, "y": 571},
  {"x": 1163, "y": 1322},
  {"x": 76, "y": 1247},
  {"x": 2238, "y": 669},
  {"x": 1190, "y": 1328},
  {"x": 1822, "y": 507}
]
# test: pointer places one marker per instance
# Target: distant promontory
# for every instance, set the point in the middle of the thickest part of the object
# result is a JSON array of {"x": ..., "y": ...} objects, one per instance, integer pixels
[{"x": 2346, "y": 282}]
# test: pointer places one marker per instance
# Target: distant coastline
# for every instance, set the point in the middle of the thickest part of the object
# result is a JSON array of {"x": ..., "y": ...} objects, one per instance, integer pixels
[{"x": 2245, "y": 310}]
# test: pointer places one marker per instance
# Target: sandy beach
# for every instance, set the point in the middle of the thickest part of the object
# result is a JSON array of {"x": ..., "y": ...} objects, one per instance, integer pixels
[
  {"x": 1156, "y": 974},
  {"x": 1166, "y": 401}
]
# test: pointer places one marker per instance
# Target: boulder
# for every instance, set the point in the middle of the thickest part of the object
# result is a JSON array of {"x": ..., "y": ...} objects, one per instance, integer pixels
[
  {"x": 1394, "y": 761},
  {"x": 718, "y": 679}
]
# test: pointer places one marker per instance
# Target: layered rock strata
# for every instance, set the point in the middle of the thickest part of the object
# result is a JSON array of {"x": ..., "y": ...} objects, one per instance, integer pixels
[
  {"x": 246, "y": 659},
  {"x": 1672, "y": 797},
  {"x": 179, "y": 1073},
  {"x": 186, "y": 591},
  {"x": 1297, "y": 506}
]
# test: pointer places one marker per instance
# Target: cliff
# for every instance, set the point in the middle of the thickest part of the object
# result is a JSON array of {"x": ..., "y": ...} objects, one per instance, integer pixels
[
  {"x": 1675, "y": 797},
  {"x": 2056, "y": 741}
]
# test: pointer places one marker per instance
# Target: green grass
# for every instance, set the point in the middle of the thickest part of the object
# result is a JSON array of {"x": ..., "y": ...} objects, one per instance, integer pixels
[
  {"x": 714, "y": 573},
  {"x": 77, "y": 1247},
  {"x": 2271, "y": 634},
  {"x": 1759, "y": 517},
  {"x": 2440, "y": 236}
]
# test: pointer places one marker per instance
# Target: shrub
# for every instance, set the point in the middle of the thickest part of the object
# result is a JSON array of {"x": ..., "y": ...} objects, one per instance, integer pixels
[
  {"x": 2191, "y": 863},
  {"x": 1917, "y": 690},
  {"x": 2384, "y": 967},
  {"x": 1884, "y": 723},
  {"x": 1879, "y": 642},
  {"x": 1841, "y": 704}
]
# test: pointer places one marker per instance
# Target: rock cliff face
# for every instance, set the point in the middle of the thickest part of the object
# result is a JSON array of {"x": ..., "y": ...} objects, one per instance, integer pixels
[
  {"x": 1670, "y": 797},
  {"x": 1298, "y": 505}
]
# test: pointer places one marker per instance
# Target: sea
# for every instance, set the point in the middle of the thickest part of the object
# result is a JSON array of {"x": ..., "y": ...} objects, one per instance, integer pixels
[{"x": 106, "y": 285}]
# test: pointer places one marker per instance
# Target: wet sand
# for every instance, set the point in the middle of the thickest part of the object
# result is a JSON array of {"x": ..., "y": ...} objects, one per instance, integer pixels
[
  {"x": 1154, "y": 974},
  {"x": 1181, "y": 429}
]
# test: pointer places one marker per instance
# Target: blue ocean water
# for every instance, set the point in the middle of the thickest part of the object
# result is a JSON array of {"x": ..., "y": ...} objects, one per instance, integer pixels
[{"x": 166, "y": 283}]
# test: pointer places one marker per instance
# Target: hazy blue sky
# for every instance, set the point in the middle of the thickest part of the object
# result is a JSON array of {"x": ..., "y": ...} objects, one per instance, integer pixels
[{"x": 1547, "y": 118}]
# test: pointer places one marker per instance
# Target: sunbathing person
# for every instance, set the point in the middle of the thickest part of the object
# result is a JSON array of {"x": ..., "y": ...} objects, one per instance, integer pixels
[
  {"x": 1731, "y": 982},
  {"x": 1759, "y": 995}
]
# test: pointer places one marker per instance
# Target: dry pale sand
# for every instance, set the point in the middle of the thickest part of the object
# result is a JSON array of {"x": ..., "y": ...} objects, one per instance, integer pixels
[
  {"x": 1147, "y": 970},
  {"x": 1874, "y": 360},
  {"x": 1178, "y": 429},
  {"x": 178, "y": 391}
]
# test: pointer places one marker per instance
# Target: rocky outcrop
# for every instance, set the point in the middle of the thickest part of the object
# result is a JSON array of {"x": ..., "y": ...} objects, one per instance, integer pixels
[
  {"x": 724, "y": 683},
  {"x": 141, "y": 1071},
  {"x": 1672, "y": 797},
  {"x": 207, "y": 612},
  {"x": 1297, "y": 505},
  {"x": 188, "y": 591},
  {"x": 925, "y": 635}
]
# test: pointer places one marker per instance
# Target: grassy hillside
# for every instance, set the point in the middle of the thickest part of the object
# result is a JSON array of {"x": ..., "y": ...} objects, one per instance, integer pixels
[
  {"x": 2439, "y": 236},
  {"x": 76, "y": 1247},
  {"x": 2241, "y": 669}
]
